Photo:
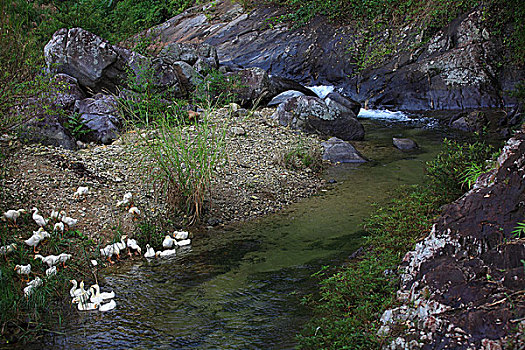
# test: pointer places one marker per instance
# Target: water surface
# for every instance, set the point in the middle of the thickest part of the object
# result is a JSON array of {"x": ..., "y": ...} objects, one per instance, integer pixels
[{"x": 240, "y": 287}]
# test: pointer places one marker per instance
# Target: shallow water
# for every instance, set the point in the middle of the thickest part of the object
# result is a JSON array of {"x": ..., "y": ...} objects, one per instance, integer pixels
[{"x": 240, "y": 288}]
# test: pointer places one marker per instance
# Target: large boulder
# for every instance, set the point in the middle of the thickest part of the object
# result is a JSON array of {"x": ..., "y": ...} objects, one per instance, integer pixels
[
  {"x": 311, "y": 114},
  {"x": 48, "y": 130},
  {"x": 339, "y": 151},
  {"x": 335, "y": 101},
  {"x": 93, "y": 61},
  {"x": 100, "y": 116},
  {"x": 66, "y": 91}
]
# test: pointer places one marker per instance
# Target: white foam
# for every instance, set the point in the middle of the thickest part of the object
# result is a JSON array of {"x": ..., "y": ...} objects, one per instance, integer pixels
[
  {"x": 322, "y": 90},
  {"x": 383, "y": 114}
]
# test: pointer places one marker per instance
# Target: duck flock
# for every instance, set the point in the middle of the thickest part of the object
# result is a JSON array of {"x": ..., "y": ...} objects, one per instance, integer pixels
[{"x": 92, "y": 298}]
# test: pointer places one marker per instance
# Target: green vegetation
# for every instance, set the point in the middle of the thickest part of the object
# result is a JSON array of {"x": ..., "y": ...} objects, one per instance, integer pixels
[
  {"x": 298, "y": 156},
  {"x": 353, "y": 298}
]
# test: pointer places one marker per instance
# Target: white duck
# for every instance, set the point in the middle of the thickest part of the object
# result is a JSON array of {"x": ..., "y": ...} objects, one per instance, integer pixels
[
  {"x": 86, "y": 306},
  {"x": 135, "y": 212},
  {"x": 52, "y": 271},
  {"x": 168, "y": 241},
  {"x": 81, "y": 295},
  {"x": 12, "y": 215},
  {"x": 50, "y": 260},
  {"x": 81, "y": 192},
  {"x": 59, "y": 227},
  {"x": 7, "y": 249},
  {"x": 179, "y": 235},
  {"x": 127, "y": 200},
  {"x": 133, "y": 246},
  {"x": 150, "y": 252},
  {"x": 63, "y": 257},
  {"x": 23, "y": 269},
  {"x": 55, "y": 215},
  {"x": 74, "y": 291},
  {"x": 37, "y": 282},
  {"x": 36, "y": 238},
  {"x": 39, "y": 219},
  {"x": 184, "y": 242},
  {"x": 98, "y": 297},
  {"x": 108, "y": 306},
  {"x": 166, "y": 253},
  {"x": 70, "y": 222},
  {"x": 122, "y": 244}
]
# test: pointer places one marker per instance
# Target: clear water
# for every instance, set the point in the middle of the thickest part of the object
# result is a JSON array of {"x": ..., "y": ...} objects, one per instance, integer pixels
[{"x": 240, "y": 288}]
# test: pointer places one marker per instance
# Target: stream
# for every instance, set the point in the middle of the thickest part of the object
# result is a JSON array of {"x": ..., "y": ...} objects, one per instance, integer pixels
[{"x": 240, "y": 287}]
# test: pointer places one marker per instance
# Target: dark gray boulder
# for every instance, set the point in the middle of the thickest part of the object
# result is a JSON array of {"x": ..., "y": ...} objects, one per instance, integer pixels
[
  {"x": 312, "y": 115},
  {"x": 339, "y": 151},
  {"x": 404, "y": 144},
  {"x": 93, "y": 61},
  {"x": 469, "y": 121},
  {"x": 342, "y": 104},
  {"x": 66, "y": 91},
  {"x": 100, "y": 115},
  {"x": 48, "y": 130}
]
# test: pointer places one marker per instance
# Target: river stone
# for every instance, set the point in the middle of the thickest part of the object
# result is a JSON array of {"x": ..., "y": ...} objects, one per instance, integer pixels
[
  {"x": 283, "y": 96},
  {"x": 335, "y": 101},
  {"x": 312, "y": 115},
  {"x": 339, "y": 151},
  {"x": 404, "y": 144},
  {"x": 469, "y": 121}
]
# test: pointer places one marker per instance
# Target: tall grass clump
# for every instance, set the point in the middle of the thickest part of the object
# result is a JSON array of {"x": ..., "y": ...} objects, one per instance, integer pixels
[{"x": 352, "y": 298}]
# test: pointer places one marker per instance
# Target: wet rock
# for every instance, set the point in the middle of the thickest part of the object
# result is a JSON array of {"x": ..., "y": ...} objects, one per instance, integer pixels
[
  {"x": 283, "y": 96},
  {"x": 339, "y": 151},
  {"x": 344, "y": 105},
  {"x": 469, "y": 121},
  {"x": 311, "y": 114},
  {"x": 404, "y": 144},
  {"x": 456, "y": 69}
]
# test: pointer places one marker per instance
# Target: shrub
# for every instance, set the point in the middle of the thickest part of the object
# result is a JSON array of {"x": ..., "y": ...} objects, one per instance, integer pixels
[{"x": 298, "y": 156}]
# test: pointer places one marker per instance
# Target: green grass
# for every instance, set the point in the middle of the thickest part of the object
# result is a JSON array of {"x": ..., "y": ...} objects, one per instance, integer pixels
[{"x": 352, "y": 299}]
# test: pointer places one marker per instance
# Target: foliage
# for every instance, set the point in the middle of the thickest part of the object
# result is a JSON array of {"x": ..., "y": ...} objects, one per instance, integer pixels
[
  {"x": 216, "y": 89},
  {"x": 353, "y": 298},
  {"x": 298, "y": 156},
  {"x": 519, "y": 230},
  {"x": 76, "y": 125},
  {"x": 185, "y": 157},
  {"x": 446, "y": 172}
]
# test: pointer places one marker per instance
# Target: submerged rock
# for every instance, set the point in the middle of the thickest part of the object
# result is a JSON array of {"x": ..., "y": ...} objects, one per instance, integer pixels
[
  {"x": 339, "y": 151},
  {"x": 404, "y": 144}
]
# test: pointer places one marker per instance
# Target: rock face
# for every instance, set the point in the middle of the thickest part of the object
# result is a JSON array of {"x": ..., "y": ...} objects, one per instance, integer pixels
[
  {"x": 456, "y": 69},
  {"x": 339, "y": 151},
  {"x": 462, "y": 286},
  {"x": 311, "y": 114}
]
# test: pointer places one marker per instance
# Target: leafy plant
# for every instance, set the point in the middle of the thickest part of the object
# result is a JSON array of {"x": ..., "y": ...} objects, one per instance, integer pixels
[
  {"x": 76, "y": 125},
  {"x": 216, "y": 89},
  {"x": 299, "y": 156},
  {"x": 472, "y": 173},
  {"x": 519, "y": 230}
]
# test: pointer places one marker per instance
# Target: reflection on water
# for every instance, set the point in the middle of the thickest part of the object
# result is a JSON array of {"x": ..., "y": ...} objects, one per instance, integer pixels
[{"x": 240, "y": 288}]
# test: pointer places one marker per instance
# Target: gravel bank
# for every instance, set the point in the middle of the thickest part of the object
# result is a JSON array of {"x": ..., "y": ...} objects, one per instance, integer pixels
[{"x": 251, "y": 184}]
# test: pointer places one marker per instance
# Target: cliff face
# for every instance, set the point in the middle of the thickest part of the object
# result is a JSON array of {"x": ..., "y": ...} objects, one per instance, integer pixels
[
  {"x": 456, "y": 69},
  {"x": 463, "y": 287}
]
